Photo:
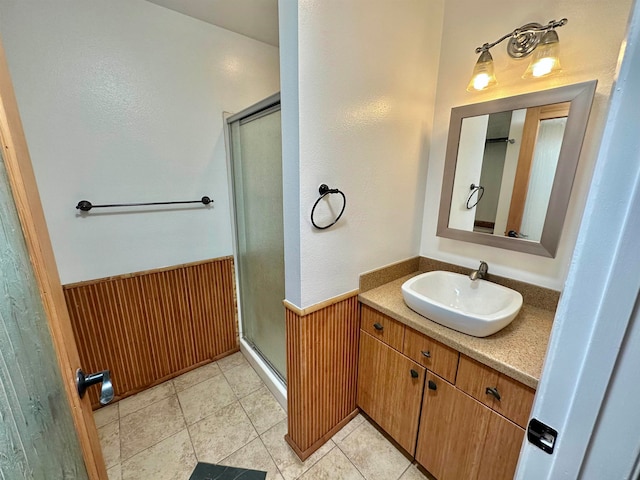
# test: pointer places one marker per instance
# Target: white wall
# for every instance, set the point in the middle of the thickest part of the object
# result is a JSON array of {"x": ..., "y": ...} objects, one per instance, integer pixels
[
  {"x": 473, "y": 134},
  {"x": 584, "y": 56},
  {"x": 366, "y": 72},
  {"x": 122, "y": 101}
]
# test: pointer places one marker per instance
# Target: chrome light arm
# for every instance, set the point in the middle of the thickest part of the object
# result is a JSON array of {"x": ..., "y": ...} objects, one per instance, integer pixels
[{"x": 524, "y": 39}]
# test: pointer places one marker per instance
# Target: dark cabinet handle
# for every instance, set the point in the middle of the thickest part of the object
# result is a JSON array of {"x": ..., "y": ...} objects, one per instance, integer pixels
[
  {"x": 432, "y": 385},
  {"x": 426, "y": 353},
  {"x": 414, "y": 374},
  {"x": 493, "y": 392},
  {"x": 377, "y": 326}
]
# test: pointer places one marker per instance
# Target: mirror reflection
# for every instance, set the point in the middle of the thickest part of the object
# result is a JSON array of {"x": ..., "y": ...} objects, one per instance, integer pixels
[
  {"x": 505, "y": 170},
  {"x": 509, "y": 168}
]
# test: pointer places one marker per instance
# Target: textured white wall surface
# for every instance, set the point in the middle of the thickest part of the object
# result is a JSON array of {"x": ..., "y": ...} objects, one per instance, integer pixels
[
  {"x": 473, "y": 133},
  {"x": 367, "y": 74},
  {"x": 584, "y": 56},
  {"x": 122, "y": 101}
]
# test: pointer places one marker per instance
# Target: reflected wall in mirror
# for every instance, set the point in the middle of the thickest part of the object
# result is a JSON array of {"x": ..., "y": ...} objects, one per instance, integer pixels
[{"x": 509, "y": 168}]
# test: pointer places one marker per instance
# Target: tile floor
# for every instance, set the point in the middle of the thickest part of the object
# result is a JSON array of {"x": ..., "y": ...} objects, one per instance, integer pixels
[{"x": 223, "y": 413}]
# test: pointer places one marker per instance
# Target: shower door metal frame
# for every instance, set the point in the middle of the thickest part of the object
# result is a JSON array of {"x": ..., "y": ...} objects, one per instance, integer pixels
[{"x": 265, "y": 107}]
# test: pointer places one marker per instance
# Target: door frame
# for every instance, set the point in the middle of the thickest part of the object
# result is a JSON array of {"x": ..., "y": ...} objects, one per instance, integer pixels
[{"x": 27, "y": 199}]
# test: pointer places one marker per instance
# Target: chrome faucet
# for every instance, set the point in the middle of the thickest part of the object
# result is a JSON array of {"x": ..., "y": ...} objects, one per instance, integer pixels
[{"x": 481, "y": 272}]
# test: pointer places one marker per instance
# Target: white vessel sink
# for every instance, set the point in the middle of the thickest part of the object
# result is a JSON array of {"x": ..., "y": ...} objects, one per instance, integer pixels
[{"x": 479, "y": 308}]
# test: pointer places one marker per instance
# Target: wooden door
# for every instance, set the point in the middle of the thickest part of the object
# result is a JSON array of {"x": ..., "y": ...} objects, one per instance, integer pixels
[
  {"x": 390, "y": 390},
  {"x": 29, "y": 209},
  {"x": 452, "y": 431},
  {"x": 525, "y": 158}
]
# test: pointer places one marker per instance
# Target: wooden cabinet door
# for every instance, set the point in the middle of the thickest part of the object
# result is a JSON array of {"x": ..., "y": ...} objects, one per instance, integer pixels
[
  {"x": 452, "y": 431},
  {"x": 460, "y": 438},
  {"x": 501, "y": 449},
  {"x": 388, "y": 391}
]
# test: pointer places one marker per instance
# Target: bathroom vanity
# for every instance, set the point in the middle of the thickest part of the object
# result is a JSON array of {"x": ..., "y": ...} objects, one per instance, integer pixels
[{"x": 458, "y": 404}]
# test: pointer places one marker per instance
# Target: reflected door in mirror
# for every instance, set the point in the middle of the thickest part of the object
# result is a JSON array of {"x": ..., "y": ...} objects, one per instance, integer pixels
[{"x": 542, "y": 136}]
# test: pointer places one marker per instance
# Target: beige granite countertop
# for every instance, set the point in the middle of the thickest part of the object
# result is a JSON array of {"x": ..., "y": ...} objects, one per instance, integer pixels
[{"x": 518, "y": 350}]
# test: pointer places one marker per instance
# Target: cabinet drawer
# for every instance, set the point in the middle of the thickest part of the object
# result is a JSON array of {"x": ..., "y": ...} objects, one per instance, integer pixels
[
  {"x": 486, "y": 385},
  {"x": 383, "y": 328},
  {"x": 435, "y": 356}
]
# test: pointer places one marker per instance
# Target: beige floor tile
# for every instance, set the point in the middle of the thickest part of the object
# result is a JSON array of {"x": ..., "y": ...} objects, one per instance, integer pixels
[
  {"x": 232, "y": 361},
  {"x": 263, "y": 409},
  {"x": 254, "y": 456},
  {"x": 243, "y": 380},
  {"x": 171, "y": 459},
  {"x": 150, "y": 425},
  {"x": 222, "y": 433},
  {"x": 115, "y": 472},
  {"x": 348, "y": 428},
  {"x": 105, "y": 415},
  {"x": 333, "y": 466},
  {"x": 373, "y": 455},
  {"x": 286, "y": 460},
  {"x": 109, "y": 435},
  {"x": 145, "y": 398},
  {"x": 196, "y": 376},
  {"x": 412, "y": 473},
  {"x": 204, "y": 398}
]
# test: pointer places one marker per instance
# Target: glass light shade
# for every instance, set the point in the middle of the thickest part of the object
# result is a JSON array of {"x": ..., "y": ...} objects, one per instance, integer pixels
[
  {"x": 483, "y": 76},
  {"x": 546, "y": 57}
]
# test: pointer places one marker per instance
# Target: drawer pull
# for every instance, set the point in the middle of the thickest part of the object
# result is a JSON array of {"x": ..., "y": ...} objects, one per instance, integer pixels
[
  {"x": 377, "y": 326},
  {"x": 426, "y": 353},
  {"x": 414, "y": 374},
  {"x": 432, "y": 385},
  {"x": 493, "y": 392}
]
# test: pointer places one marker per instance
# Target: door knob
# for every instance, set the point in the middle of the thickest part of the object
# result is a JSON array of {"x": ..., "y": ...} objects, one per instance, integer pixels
[{"x": 85, "y": 381}]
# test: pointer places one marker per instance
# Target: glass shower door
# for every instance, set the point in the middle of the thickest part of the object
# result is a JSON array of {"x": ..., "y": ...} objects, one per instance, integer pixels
[{"x": 256, "y": 157}]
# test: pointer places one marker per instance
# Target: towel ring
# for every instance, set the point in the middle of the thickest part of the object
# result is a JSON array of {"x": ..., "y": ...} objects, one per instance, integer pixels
[
  {"x": 475, "y": 189},
  {"x": 324, "y": 190}
]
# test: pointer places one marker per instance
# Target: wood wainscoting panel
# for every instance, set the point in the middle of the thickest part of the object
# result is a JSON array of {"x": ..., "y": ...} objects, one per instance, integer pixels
[
  {"x": 322, "y": 364},
  {"x": 148, "y": 327}
]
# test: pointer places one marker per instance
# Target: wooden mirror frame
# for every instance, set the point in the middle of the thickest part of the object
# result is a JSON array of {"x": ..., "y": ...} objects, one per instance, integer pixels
[{"x": 581, "y": 97}]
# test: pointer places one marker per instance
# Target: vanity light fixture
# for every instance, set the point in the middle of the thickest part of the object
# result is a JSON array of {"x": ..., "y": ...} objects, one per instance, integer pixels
[{"x": 522, "y": 43}]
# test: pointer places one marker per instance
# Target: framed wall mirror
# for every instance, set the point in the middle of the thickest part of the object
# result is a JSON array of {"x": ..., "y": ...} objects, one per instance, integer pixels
[{"x": 509, "y": 168}]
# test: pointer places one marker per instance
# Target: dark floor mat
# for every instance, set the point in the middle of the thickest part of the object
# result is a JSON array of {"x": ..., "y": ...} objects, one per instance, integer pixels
[{"x": 207, "y": 471}]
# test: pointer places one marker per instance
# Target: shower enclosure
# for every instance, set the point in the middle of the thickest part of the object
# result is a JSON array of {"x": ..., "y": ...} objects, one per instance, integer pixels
[{"x": 256, "y": 177}]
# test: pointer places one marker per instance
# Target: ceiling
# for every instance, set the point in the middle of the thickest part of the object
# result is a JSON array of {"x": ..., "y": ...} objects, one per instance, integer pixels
[{"x": 257, "y": 19}]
